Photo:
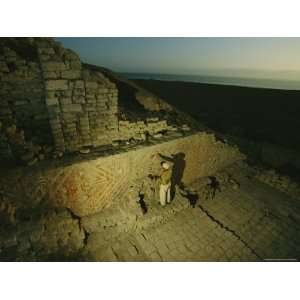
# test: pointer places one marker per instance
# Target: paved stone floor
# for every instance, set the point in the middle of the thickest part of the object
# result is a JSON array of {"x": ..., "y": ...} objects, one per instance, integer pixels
[{"x": 254, "y": 222}]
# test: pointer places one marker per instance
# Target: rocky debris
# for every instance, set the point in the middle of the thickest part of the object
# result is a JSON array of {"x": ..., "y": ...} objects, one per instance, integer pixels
[
  {"x": 55, "y": 235},
  {"x": 58, "y": 154},
  {"x": 141, "y": 130},
  {"x": 185, "y": 127},
  {"x": 280, "y": 182},
  {"x": 22, "y": 150},
  {"x": 84, "y": 150},
  {"x": 116, "y": 143},
  {"x": 208, "y": 187},
  {"x": 158, "y": 135},
  {"x": 234, "y": 183}
]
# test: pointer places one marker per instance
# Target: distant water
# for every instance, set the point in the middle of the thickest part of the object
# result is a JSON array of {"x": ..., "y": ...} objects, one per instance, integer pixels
[{"x": 236, "y": 81}]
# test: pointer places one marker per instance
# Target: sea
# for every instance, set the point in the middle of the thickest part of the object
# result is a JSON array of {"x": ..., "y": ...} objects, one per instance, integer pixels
[{"x": 233, "y": 81}]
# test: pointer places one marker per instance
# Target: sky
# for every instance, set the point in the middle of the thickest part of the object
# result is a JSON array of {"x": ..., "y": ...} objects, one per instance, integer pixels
[{"x": 274, "y": 58}]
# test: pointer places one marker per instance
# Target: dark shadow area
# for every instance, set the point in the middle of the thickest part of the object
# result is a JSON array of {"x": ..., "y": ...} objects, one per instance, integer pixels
[
  {"x": 177, "y": 174},
  {"x": 18, "y": 243},
  {"x": 179, "y": 164},
  {"x": 192, "y": 197},
  {"x": 62, "y": 256},
  {"x": 21, "y": 47},
  {"x": 291, "y": 171},
  {"x": 142, "y": 204},
  {"x": 178, "y": 168},
  {"x": 214, "y": 186}
]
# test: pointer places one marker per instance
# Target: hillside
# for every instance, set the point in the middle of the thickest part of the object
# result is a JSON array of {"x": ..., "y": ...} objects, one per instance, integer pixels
[{"x": 258, "y": 114}]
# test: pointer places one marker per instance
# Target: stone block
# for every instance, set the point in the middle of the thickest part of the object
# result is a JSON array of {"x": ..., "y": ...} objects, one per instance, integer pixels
[
  {"x": 102, "y": 90},
  {"x": 79, "y": 84},
  {"x": 67, "y": 93},
  {"x": 78, "y": 92},
  {"x": 101, "y": 97},
  {"x": 70, "y": 55},
  {"x": 123, "y": 123},
  {"x": 69, "y": 117},
  {"x": 90, "y": 107},
  {"x": 152, "y": 119},
  {"x": 91, "y": 85},
  {"x": 72, "y": 108},
  {"x": 50, "y": 94},
  {"x": 101, "y": 106},
  {"x": 5, "y": 111},
  {"x": 70, "y": 74},
  {"x": 79, "y": 99},
  {"x": 10, "y": 242},
  {"x": 56, "y": 130},
  {"x": 75, "y": 65},
  {"x": 48, "y": 51},
  {"x": 91, "y": 101},
  {"x": 21, "y": 102},
  {"x": 51, "y": 101},
  {"x": 44, "y": 57},
  {"x": 53, "y": 66},
  {"x": 65, "y": 100},
  {"x": 50, "y": 75},
  {"x": 59, "y": 85},
  {"x": 53, "y": 111},
  {"x": 3, "y": 67},
  {"x": 90, "y": 91},
  {"x": 58, "y": 139}
]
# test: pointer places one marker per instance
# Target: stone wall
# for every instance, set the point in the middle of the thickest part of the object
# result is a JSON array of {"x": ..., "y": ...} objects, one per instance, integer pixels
[
  {"x": 89, "y": 186},
  {"x": 51, "y": 236},
  {"x": 150, "y": 126},
  {"x": 45, "y": 90},
  {"x": 22, "y": 98},
  {"x": 56, "y": 100},
  {"x": 82, "y": 104}
]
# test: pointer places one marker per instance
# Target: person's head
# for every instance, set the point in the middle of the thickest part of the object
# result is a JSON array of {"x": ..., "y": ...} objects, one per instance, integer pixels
[{"x": 165, "y": 165}]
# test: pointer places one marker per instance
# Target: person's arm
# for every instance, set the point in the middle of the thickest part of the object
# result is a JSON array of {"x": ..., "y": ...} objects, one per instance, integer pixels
[{"x": 166, "y": 158}]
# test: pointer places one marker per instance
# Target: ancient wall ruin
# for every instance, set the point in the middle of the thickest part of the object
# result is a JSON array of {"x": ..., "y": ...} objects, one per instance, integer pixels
[
  {"x": 48, "y": 97},
  {"x": 91, "y": 185},
  {"x": 45, "y": 92},
  {"x": 22, "y": 98},
  {"x": 52, "y": 104},
  {"x": 82, "y": 105}
]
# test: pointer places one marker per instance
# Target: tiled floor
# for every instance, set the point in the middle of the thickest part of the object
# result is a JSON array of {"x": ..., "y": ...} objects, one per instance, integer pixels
[{"x": 252, "y": 223}]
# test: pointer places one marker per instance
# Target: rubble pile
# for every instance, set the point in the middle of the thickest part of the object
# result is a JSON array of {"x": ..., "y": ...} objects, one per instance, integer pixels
[
  {"x": 55, "y": 235},
  {"x": 14, "y": 145}
]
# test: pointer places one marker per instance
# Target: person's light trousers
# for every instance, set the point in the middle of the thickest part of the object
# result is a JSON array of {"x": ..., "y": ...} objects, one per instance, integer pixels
[{"x": 165, "y": 194}]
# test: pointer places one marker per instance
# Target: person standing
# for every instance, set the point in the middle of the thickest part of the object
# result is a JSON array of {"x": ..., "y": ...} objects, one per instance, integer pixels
[
  {"x": 164, "y": 180},
  {"x": 165, "y": 184}
]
